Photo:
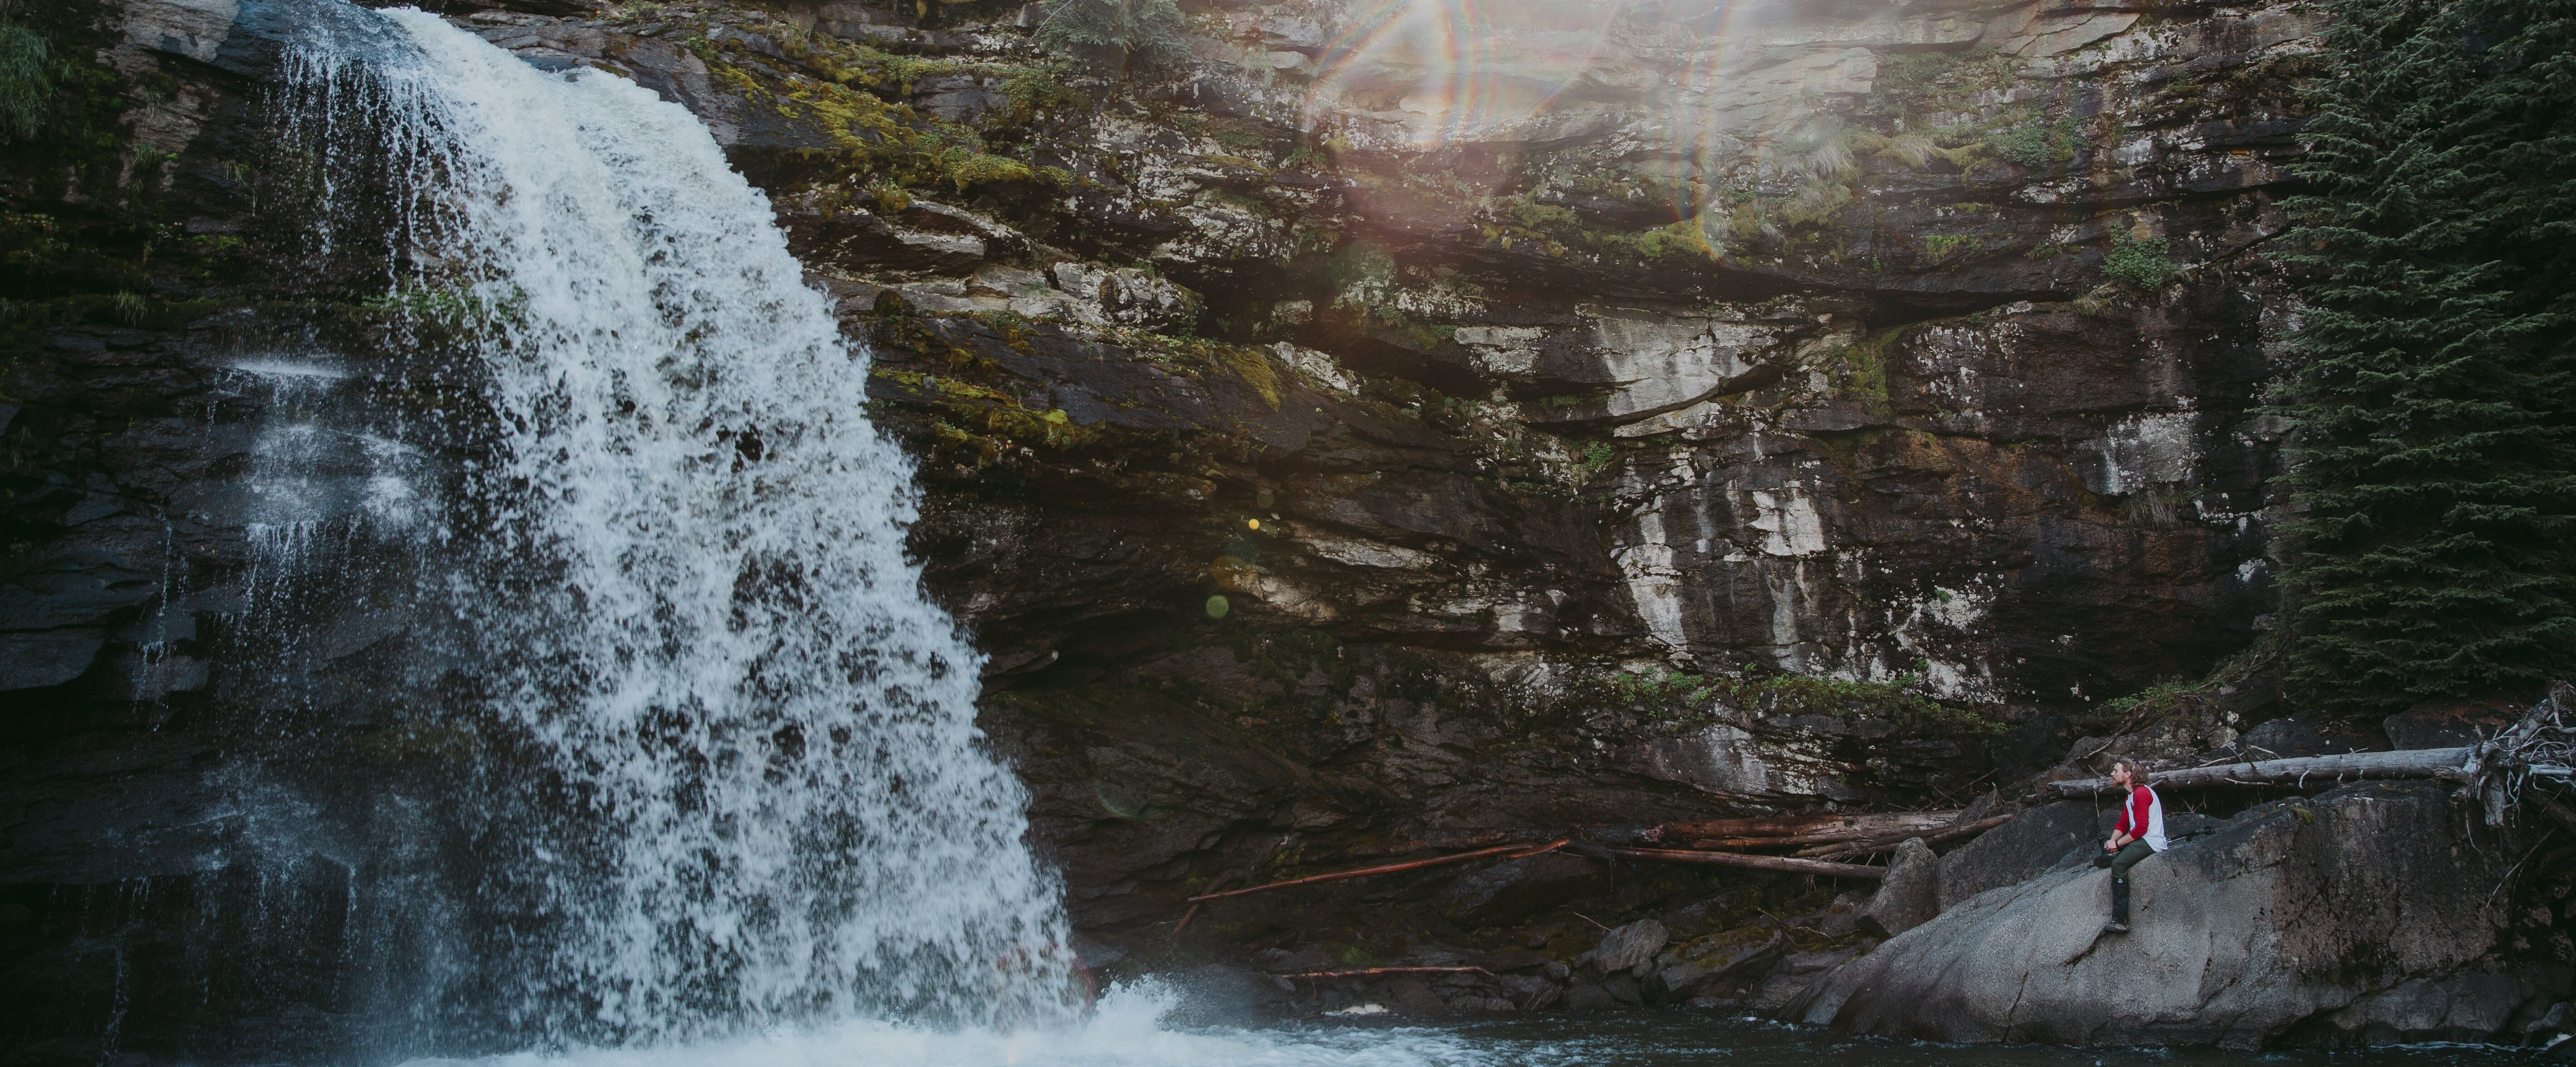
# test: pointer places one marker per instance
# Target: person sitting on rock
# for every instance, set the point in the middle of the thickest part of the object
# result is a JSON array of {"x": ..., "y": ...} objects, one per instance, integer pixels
[{"x": 2140, "y": 833}]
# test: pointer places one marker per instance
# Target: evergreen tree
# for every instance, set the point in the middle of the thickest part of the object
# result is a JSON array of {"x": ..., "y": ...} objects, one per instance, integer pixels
[
  {"x": 1148, "y": 30},
  {"x": 2434, "y": 552}
]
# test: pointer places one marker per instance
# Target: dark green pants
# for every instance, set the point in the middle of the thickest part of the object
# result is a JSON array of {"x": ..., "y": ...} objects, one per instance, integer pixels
[
  {"x": 2128, "y": 857},
  {"x": 2121, "y": 861}
]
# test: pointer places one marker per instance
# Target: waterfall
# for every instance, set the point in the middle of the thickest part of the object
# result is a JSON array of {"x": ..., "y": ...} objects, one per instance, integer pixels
[{"x": 730, "y": 776}]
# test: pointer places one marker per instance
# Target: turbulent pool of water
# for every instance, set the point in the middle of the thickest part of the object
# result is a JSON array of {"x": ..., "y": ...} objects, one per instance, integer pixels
[{"x": 1134, "y": 1028}]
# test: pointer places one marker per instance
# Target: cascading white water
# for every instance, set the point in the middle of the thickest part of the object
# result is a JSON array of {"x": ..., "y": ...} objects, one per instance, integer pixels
[{"x": 743, "y": 784}]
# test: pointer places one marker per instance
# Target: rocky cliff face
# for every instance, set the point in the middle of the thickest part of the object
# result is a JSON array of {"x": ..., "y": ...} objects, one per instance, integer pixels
[
  {"x": 1527, "y": 402},
  {"x": 1380, "y": 430}
]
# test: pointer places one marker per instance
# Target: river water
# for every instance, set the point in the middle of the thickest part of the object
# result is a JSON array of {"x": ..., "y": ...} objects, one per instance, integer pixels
[
  {"x": 1130, "y": 1030},
  {"x": 737, "y": 813}
]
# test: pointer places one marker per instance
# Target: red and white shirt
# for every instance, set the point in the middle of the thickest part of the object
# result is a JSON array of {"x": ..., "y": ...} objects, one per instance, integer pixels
[{"x": 2143, "y": 817}]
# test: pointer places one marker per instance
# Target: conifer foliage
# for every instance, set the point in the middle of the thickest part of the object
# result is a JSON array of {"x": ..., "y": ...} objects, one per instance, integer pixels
[
  {"x": 2435, "y": 549},
  {"x": 1146, "y": 30}
]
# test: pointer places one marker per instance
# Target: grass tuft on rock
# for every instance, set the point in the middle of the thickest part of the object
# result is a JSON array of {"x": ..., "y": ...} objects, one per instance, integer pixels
[{"x": 26, "y": 82}]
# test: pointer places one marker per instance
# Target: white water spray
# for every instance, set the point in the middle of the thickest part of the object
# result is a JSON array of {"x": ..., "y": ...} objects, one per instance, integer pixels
[{"x": 679, "y": 569}]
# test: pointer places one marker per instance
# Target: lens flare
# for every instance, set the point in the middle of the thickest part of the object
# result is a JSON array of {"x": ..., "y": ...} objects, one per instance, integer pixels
[
  {"x": 1414, "y": 74},
  {"x": 1706, "y": 104}
]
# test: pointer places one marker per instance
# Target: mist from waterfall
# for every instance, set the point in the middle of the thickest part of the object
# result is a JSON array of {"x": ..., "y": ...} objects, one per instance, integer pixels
[{"x": 729, "y": 775}]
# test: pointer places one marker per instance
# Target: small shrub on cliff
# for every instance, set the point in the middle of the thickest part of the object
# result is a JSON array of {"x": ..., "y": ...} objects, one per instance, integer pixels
[
  {"x": 2039, "y": 144},
  {"x": 1150, "y": 31},
  {"x": 2435, "y": 478},
  {"x": 2138, "y": 264},
  {"x": 1597, "y": 456}
]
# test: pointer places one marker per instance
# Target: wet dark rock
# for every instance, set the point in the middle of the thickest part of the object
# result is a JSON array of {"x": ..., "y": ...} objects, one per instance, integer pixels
[
  {"x": 1217, "y": 994},
  {"x": 1530, "y": 992},
  {"x": 2449, "y": 726},
  {"x": 2185, "y": 825},
  {"x": 2476, "y": 1004},
  {"x": 1681, "y": 972},
  {"x": 960, "y": 98},
  {"x": 52, "y": 657},
  {"x": 1508, "y": 893},
  {"x": 1630, "y": 948},
  {"x": 2286, "y": 738},
  {"x": 1709, "y": 915},
  {"x": 2560, "y": 1019}
]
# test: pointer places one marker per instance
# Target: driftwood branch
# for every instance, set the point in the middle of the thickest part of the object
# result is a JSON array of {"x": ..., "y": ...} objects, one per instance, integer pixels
[
  {"x": 2542, "y": 742},
  {"x": 1371, "y": 972},
  {"x": 1760, "y": 863},
  {"x": 1951, "y": 833},
  {"x": 2351, "y": 766},
  {"x": 1522, "y": 849}
]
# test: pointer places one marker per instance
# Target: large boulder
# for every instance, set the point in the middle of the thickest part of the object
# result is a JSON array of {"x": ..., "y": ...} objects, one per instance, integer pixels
[
  {"x": 2338, "y": 918},
  {"x": 2016, "y": 851},
  {"x": 1908, "y": 896},
  {"x": 1627, "y": 948}
]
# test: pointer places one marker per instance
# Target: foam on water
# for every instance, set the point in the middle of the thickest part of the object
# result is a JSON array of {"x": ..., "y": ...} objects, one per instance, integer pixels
[{"x": 1127, "y": 1031}]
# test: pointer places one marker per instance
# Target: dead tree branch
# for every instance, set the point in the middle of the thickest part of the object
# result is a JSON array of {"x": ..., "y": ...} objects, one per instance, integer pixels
[
  {"x": 1372, "y": 972},
  {"x": 2350, "y": 766},
  {"x": 1760, "y": 863},
  {"x": 1524, "y": 848}
]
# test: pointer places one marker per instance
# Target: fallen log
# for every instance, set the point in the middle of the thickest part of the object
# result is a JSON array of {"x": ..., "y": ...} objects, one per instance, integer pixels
[
  {"x": 1864, "y": 848},
  {"x": 1785, "y": 826},
  {"x": 1761, "y": 863},
  {"x": 2350, "y": 766},
  {"x": 1372, "y": 972},
  {"x": 1524, "y": 849},
  {"x": 1827, "y": 837}
]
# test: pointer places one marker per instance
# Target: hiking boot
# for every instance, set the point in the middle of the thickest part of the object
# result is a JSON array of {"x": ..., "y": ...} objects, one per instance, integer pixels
[
  {"x": 2115, "y": 926},
  {"x": 2103, "y": 860}
]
